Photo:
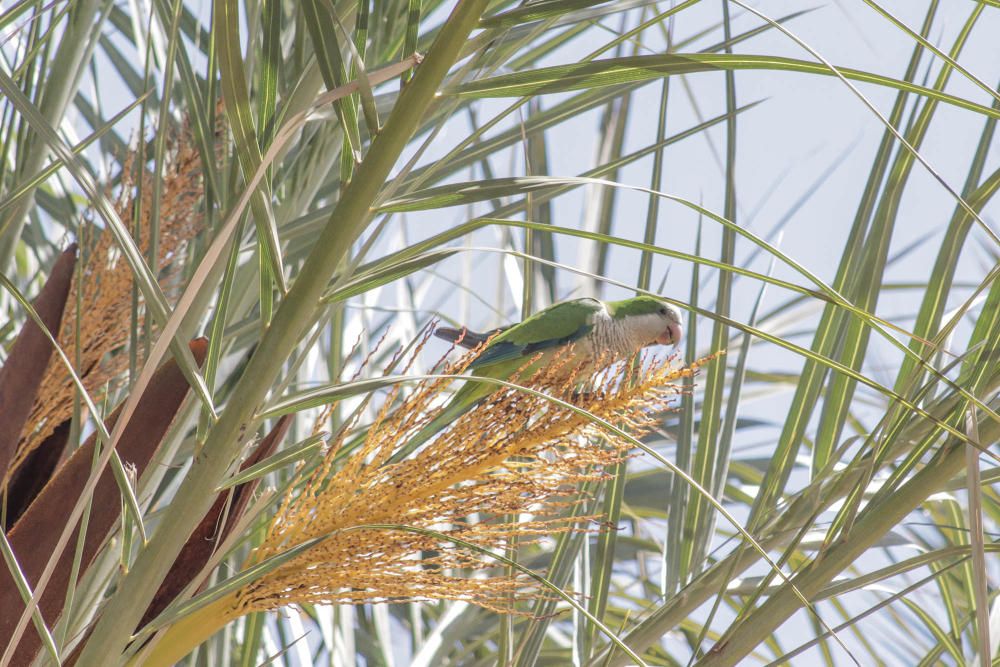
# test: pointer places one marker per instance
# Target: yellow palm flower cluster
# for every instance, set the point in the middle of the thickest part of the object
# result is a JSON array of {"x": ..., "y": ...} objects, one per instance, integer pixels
[
  {"x": 102, "y": 290},
  {"x": 386, "y": 531},
  {"x": 516, "y": 454}
]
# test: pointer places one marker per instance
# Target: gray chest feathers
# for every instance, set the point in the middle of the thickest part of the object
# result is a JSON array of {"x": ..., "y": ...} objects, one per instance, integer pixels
[{"x": 615, "y": 338}]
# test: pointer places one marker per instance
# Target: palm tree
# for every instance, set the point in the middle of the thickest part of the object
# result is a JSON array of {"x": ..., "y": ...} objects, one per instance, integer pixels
[{"x": 268, "y": 203}]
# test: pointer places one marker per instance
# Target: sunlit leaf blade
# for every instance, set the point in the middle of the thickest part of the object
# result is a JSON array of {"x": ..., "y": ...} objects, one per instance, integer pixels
[
  {"x": 296, "y": 452},
  {"x": 562, "y": 78},
  {"x": 240, "y": 117},
  {"x": 535, "y": 12}
]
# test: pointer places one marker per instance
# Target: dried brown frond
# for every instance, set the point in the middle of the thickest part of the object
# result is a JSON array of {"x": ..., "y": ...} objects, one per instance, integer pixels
[
  {"x": 102, "y": 289},
  {"x": 515, "y": 454}
]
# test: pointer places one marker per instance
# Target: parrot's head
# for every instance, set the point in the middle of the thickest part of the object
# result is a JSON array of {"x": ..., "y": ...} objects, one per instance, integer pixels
[{"x": 650, "y": 319}]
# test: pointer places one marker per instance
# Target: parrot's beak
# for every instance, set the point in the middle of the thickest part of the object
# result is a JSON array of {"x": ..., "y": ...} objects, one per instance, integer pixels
[{"x": 672, "y": 336}]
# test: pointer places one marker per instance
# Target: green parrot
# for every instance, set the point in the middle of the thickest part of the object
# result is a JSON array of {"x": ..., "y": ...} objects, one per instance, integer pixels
[{"x": 598, "y": 330}]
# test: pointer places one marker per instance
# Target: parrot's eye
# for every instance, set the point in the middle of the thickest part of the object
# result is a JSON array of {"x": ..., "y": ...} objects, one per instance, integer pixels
[{"x": 663, "y": 310}]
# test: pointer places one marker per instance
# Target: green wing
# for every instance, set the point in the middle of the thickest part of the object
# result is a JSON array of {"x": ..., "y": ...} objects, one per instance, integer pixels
[{"x": 558, "y": 324}]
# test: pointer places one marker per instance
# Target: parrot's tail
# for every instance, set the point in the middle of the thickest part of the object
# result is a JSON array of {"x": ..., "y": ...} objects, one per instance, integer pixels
[{"x": 465, "y": 338}]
